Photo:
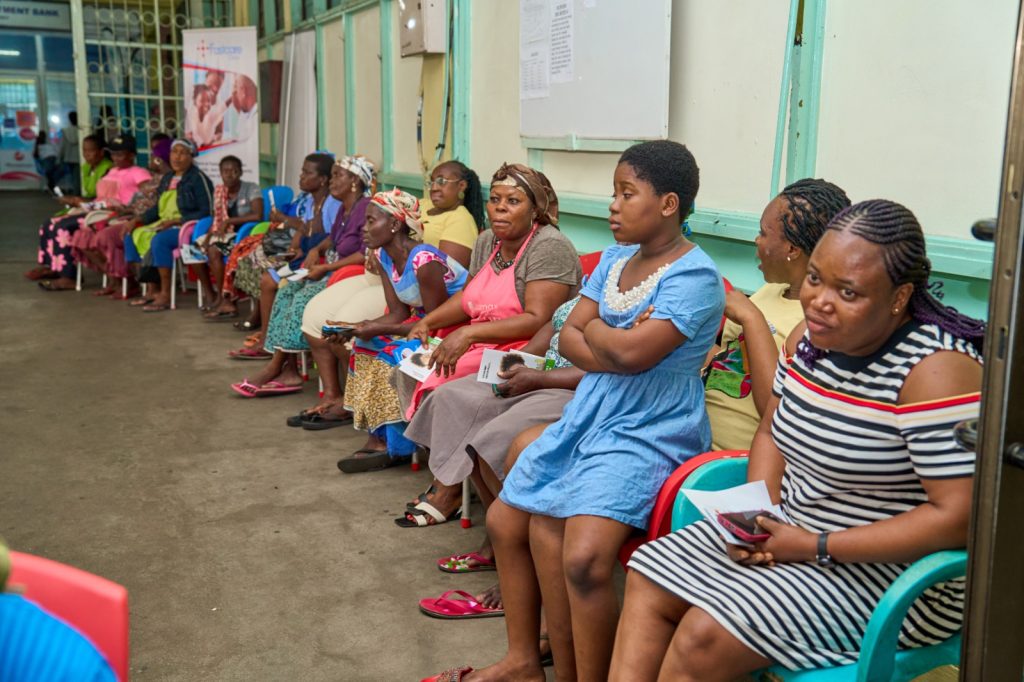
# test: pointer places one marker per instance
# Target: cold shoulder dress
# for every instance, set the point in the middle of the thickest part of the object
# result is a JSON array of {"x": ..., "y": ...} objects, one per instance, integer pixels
[{"x": 853, "y": 456}]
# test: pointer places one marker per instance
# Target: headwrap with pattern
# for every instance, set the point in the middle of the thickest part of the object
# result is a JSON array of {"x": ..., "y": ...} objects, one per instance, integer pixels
[
  {"x": 403, "y": 206},
  {"x": 187, "y": 144},
  {"x": 362, "y": 168},
  {"x": 535, "y": 185}
]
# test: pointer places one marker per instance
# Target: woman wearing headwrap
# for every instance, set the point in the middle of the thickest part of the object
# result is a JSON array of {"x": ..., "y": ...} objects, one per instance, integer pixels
[
  {"x": 184, "y": 194},
  {"x": 417, "y": 278},
  {"x": 451, "y": 222},
  {"x": 351, "y": 179}
]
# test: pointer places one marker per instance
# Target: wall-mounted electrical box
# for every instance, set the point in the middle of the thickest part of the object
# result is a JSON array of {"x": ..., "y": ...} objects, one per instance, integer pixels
[{"x": 424, "y": 24}]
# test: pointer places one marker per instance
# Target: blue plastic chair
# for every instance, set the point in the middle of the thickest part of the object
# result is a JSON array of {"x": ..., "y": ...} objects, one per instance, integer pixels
[
  {"x": 880, "y": 660},
  {"x": 202, "y": 227},
  {"x": 283, "y": 196}
]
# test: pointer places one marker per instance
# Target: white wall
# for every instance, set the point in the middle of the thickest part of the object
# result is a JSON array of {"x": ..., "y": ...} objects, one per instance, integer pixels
[
  {"x": 334, "y": 78},
  {"x": 405, "y": 100},
  {"x": 914, "y": 101},
  {"x": 367, "y": 87}
]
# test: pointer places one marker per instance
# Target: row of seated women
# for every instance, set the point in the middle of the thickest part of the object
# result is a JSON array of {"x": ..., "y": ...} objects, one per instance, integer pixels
[{"x": 843, "y": 376}]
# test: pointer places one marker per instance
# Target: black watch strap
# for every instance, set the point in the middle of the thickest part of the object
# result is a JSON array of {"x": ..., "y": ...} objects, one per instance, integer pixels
[{"x": 823, "y": 558}]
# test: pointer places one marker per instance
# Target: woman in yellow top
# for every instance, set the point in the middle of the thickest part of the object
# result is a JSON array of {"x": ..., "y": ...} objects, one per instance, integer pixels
[{"x": 452, "y": 219}]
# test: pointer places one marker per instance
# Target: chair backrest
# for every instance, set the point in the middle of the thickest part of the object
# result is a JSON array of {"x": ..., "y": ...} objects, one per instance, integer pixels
[
  {"x": 589, "y": 261},
  {"x": 283, "y": 195},
  {"x": 202, "y": 227},
  {"x": 185, "y": 233},
  {"x": 661, "y": 516},
  {"x": 95, "y": 606},
  {"x": 724, "y": 472}
]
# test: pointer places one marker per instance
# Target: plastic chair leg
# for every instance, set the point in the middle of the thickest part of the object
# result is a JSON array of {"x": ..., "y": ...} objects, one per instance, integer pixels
[
  {"x": 78, "y": 278},
  {"x": 104, "y": 280},
  {"x": 320, "y": 390},
  {"x": 415, "y": 466},
  {"x": 174, "y": 289},
  {"x": 199, "y": 295},
  {"x": 124, "y": 287},
  {"x": 304, "y": 363},
  {"x": 465, "y": 521}
]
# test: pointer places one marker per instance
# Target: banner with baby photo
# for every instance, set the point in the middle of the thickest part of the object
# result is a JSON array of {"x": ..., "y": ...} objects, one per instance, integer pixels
[{"x": 221, "y": 76}]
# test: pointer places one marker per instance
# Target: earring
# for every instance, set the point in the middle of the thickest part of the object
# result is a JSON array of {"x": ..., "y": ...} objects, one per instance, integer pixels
[
  {"x": 462, "y": 195},
  {"x": 354, "y": 188},
  {"x": 789, "y": 258},
  {"x": 896, "y": 311}
]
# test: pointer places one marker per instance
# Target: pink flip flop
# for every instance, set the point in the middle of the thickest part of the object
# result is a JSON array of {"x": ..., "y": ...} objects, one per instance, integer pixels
[
  {"x": 246, "y": 389},
  {"x": 249, "y": 354},
  {"x": 457, "y": 609},
  {"x": 459, "y": 563},
  {"x": 275, "y": 388}
]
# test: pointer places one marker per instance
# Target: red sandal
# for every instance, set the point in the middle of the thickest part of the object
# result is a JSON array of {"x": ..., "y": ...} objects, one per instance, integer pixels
[{"x": 450, "y": 675}]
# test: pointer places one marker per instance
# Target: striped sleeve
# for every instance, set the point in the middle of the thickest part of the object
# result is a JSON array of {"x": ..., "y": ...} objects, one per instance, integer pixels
[{"x": 927, "y": 429}]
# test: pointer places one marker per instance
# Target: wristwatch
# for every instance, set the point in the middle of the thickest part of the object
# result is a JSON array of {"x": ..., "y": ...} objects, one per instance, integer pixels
[{"x": 823, "y": 558}]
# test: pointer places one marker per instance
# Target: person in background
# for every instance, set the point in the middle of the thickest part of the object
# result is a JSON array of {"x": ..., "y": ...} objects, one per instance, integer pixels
[
  {"x": 45, "y": 154},
  {"x": 235, "y": 203},
  {"x": 184, "y": 194},
  {"x": 57, "y": 231},
  {"x": 108, "y": 245},
  {"x": 738, "y": 380},
  {"x": 68, "y": 155},
  {"x": 857, "y": 446}
]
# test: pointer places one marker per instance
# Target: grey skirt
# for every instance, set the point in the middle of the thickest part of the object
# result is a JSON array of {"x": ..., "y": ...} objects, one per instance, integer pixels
[{"x": 465, "y": 413}]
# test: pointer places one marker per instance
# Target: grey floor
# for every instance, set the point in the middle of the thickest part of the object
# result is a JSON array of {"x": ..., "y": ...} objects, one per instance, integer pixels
[{"x": 246, "y": 554}]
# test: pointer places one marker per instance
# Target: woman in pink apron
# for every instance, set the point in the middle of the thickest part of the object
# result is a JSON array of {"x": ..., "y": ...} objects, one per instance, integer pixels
[{"x": 523, "y": 268}]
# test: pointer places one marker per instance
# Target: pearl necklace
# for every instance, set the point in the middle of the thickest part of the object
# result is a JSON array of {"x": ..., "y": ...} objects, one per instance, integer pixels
[{"x": 619, "y": 301}]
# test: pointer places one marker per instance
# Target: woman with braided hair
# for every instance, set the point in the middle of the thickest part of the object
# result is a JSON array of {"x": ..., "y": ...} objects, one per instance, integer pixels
[
  {"x": 857, "y": 445},
  {"x": 738, "y": 380}
]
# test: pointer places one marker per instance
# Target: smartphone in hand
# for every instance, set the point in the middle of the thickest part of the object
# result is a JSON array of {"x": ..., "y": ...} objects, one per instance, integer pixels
[
  {"x": 744, "y": 524},
  {"x": 336, "y": 329}
]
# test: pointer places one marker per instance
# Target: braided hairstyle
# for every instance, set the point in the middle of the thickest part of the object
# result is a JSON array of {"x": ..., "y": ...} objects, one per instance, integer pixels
[
  {"x": 474, "y": 199},
  {"x": 894, "y": 228},
  {"x": 812, "y": 204}
]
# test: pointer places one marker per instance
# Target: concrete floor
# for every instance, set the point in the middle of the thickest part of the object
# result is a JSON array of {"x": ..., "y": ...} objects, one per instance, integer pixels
[{"x": 246, "y": 554}]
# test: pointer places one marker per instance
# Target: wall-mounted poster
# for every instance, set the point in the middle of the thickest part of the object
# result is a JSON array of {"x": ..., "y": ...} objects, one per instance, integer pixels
[{"x": 221, "y": 72}]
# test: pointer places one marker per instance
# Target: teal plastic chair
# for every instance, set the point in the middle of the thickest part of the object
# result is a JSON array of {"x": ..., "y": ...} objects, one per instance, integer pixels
[{"x": 880, "y": 660}]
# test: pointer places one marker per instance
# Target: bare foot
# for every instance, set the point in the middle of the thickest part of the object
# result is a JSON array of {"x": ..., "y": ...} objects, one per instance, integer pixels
[
  {"x": 507, "y": 670},
  {"x": 491, "y": 598}
]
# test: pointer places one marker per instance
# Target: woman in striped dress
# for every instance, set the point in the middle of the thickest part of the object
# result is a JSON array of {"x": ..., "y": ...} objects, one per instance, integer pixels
[{"x": 857, "y": 444}]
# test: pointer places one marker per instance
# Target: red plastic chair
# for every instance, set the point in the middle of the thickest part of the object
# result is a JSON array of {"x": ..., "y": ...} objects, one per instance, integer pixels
[
  {"x": 95, "y": 606},
  {"x": 589, "y": 261},
  {"x": 661, "y": 515}
]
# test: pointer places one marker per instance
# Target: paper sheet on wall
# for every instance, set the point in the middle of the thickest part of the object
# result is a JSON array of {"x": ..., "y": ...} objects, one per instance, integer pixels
[
  {"x": 562, "y": 59},
  {"x": 534, "y": 49}
]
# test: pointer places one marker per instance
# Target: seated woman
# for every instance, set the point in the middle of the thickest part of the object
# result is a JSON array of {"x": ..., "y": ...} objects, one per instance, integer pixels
[
  {"x": 114, "y": 194},
  {"x": 738, "y": 380},
  {"x": 249, "y": 262},
  {"x": 522, "y": 269},
  {"x": 184, "y": 194},
  {"x": 467, "y": 425},
  {"x": 451, "y": 222},
  {"x": 577, "y": 492},
  {"x": 417, "y": 279},
  {"x": 344, "y": 247},
  {"x": 235, "y": 203},
  {"x": 888, "y": 371},
  {"x": 108, "y": 245},
  {"x": 56, "y": 232}
]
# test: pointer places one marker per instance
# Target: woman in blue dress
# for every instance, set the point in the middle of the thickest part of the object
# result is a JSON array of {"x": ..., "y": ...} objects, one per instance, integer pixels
[{"x": 577, "y": 493}]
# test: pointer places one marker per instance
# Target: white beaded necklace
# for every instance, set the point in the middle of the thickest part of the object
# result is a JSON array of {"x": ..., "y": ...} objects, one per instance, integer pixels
[{"x": 619, "y": 301}]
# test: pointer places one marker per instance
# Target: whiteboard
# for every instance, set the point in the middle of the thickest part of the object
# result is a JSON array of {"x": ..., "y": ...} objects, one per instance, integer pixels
[{"x": 616, "y": 85}]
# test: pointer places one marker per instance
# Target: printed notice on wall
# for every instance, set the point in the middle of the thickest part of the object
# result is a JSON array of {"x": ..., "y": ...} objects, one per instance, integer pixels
[
  {"x": 534, "y": 49},
  {"x": 561, "y": 41}
]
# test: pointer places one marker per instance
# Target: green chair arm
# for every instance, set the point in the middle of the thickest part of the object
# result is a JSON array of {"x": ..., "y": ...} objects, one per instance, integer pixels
[{"x": 878, "y": 650}]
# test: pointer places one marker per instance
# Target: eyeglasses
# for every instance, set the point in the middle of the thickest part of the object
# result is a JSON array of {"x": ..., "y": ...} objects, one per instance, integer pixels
[{"x": 440, "y": 181}]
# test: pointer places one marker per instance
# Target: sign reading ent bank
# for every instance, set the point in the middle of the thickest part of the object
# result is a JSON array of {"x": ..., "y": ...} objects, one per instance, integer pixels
[{"x": 51, "y": 16}]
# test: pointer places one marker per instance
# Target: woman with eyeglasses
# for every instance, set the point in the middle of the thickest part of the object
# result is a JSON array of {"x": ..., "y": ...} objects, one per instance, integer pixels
[{"x": 452, "y": 219}]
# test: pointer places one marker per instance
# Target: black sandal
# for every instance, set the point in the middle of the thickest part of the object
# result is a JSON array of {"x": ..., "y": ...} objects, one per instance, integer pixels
[
  {"x": 375, "y": 460},
  {"x": 317, "y": 421}
]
